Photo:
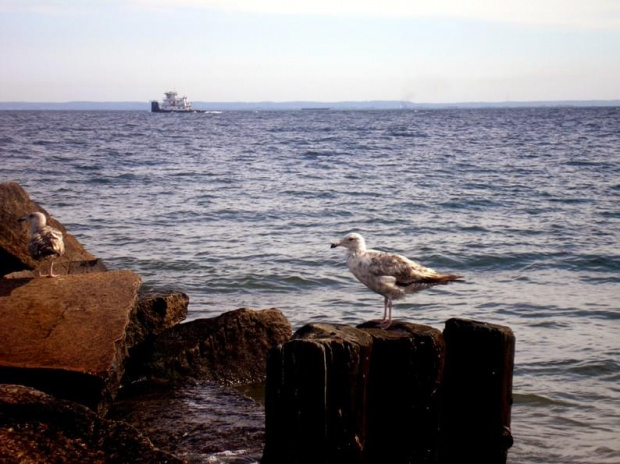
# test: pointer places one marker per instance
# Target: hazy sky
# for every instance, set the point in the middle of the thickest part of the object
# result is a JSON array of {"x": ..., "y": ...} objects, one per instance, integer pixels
[{"x": 329, "y": 50}]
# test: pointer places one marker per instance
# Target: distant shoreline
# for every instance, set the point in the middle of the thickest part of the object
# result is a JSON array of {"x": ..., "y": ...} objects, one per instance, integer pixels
[{"x": 300, "y": 105}]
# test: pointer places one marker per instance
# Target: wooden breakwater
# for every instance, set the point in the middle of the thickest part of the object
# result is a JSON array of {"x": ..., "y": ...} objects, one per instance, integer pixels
[{"x": 406, "y": 395}]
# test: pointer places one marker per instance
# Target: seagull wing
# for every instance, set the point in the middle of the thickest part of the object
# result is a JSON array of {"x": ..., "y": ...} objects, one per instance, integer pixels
[
  {"x": 47, "y": 241},
  {"x": 405, "y": 271}
]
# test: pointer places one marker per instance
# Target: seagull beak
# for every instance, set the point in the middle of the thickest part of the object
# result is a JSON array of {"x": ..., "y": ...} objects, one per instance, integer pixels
[
  {"x": 22, "y": 219},
  {"x": 334, "y": 245}
]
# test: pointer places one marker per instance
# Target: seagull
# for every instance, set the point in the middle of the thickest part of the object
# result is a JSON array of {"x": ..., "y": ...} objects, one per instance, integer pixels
[
  {"x": 390, "y": 275},
  {"x": 45, "y": 241}
]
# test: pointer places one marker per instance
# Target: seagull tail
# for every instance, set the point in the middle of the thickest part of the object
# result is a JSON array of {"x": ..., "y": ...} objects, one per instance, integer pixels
[
  {"x": 443, "y": 279},
  {"x": 446, "y": 278},
  {"x": 438, "y": 279}
]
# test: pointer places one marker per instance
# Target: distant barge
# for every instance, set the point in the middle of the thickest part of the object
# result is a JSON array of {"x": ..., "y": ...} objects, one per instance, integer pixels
[{"x": 173, "y": 104}]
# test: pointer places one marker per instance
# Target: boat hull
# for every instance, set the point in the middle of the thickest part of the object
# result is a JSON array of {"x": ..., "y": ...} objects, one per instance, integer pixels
[{"x": 155, "y": 108}]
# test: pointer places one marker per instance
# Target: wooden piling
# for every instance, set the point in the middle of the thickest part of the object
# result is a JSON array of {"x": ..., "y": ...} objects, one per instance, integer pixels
[
  {"x": 477, "y": 392},
  {"x": 315, "y": 399},
  {"x": 404, "y": 394}
]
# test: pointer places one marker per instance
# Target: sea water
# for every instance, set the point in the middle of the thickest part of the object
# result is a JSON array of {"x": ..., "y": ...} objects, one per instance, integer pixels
[{"x": 238, "y": 209}]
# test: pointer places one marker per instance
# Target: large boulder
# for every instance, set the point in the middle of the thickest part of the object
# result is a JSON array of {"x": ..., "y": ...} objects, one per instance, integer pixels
[
  {"x": 230, "y": 348},
  {"x": 14, "y": 256},
  {"x": 36, "y": 427},
  {"x": 66, "y": 335}
]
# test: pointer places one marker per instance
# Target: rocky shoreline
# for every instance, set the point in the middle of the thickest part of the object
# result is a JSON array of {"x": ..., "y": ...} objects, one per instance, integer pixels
[{"x": 93, "y": 370}]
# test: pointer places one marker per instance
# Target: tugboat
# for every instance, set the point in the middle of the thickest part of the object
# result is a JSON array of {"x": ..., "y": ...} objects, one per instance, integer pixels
[{"x": 173, "y": 104}]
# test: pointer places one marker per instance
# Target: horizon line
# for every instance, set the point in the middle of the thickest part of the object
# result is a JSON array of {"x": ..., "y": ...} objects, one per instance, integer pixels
[{"x": 492, "y": 102}]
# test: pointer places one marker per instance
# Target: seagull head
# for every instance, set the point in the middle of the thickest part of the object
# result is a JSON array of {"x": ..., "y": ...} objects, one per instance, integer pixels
[
  {"x": 352, "y": 242},
  {"x": 36, "y": 220}
]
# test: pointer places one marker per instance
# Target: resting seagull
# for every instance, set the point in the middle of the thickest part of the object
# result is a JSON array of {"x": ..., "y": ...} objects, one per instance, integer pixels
[
  {"x": 45, "y": 241},
  {"x": 387, "y": 274}
]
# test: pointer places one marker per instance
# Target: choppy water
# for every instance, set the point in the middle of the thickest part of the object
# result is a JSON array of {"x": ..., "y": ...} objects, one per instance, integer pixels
[{"x": 238, "y": 209}]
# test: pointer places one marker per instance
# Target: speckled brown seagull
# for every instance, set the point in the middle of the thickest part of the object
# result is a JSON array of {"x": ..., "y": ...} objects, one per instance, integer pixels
[
  {"x": 45, "y": 241},
  {"x": 388, "y": 274}
]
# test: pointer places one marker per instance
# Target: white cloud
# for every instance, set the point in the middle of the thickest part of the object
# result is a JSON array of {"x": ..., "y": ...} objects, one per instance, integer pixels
[{"x": 582, "y": 14}]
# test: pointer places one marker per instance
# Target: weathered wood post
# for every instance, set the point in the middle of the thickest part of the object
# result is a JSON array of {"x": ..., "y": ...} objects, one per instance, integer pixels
[
  {"x": 404, "y": 394},
  {"x": 477, "y": 392},
  {"x": 315, "y": 397}
]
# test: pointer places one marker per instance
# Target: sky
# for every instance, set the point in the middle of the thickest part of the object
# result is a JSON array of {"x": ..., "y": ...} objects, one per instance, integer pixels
[{"x": 431, "y": 51}]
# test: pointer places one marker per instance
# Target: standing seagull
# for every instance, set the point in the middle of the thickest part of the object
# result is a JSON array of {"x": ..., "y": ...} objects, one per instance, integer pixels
[
  {"x": 387, "y": 274},
  {"x": 45, "y": 241}
]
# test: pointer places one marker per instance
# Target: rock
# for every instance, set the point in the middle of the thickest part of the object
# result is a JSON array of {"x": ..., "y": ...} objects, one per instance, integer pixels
[
  {"x": 36, "y": 427},
  {"x": 156, "y": 312},
  {"x": 66, "y": 335},
  {"x": 230, "y": 348},
  {"x": 316, "y": 408},
  {"x": 14, "y": 256}
]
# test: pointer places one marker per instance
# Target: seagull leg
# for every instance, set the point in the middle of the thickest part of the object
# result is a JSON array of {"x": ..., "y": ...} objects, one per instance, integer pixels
[
  {"x": 385, "y": 309},
  {"x": 52, "y": 269},
  {"x": 387, "y": 314}
]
